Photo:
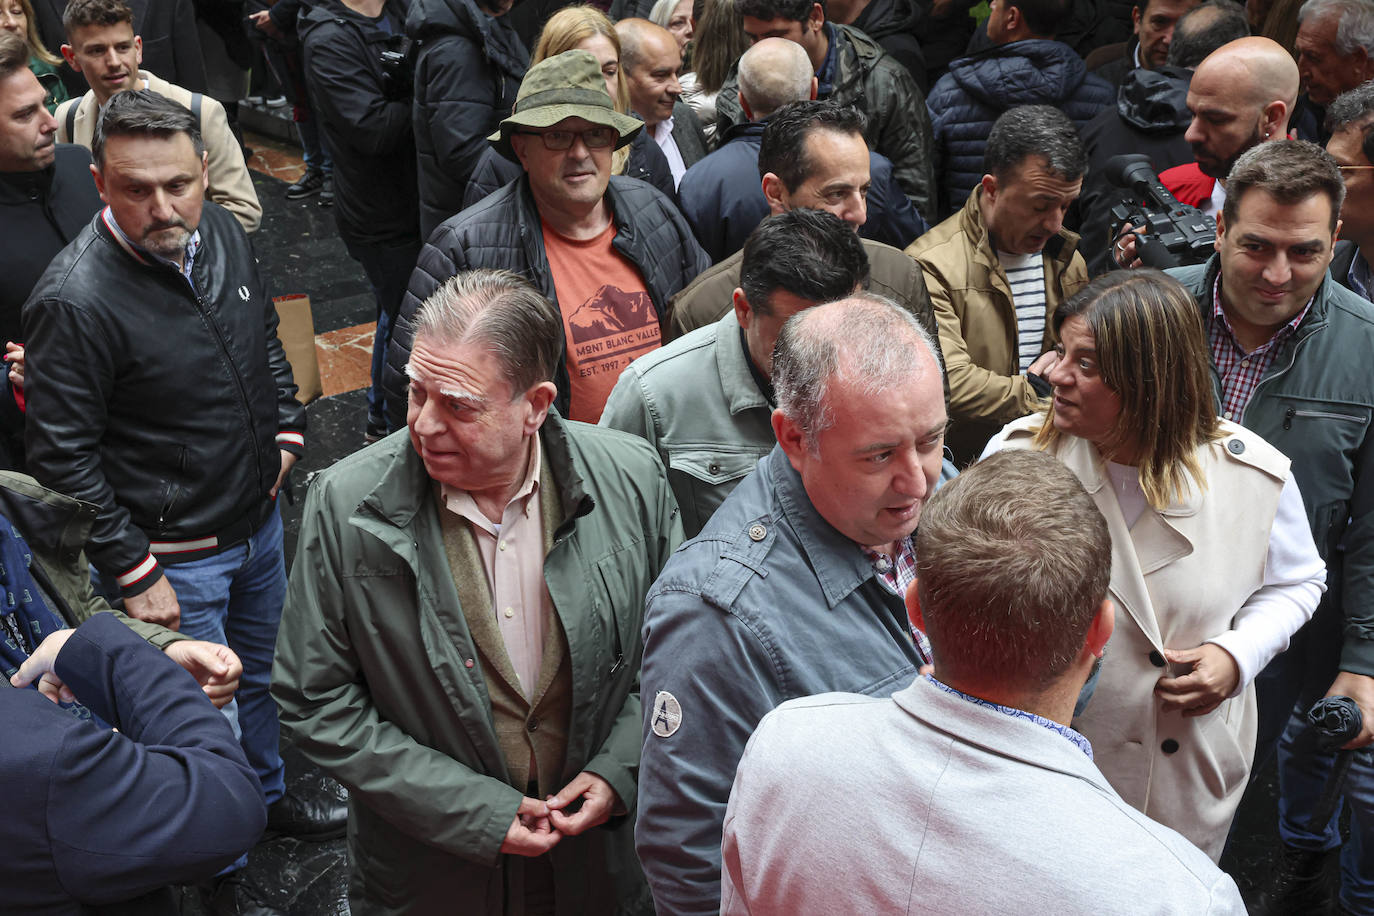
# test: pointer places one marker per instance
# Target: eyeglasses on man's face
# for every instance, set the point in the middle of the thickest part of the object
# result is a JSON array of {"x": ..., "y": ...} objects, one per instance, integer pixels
[{"x": 559, "y": 140}]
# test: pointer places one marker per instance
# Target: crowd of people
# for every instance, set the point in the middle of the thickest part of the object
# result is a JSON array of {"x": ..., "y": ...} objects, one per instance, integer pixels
[{"x": 790, "y": 483}]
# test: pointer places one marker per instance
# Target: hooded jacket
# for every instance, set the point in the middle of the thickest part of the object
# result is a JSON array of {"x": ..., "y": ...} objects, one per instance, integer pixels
[
  {"x": 466, "y": 76},
  {"x": 1150, "y": 117},
  {"x": 368, "y": 134},
  {"x": 895, "y": 24},
  {"x": 979, "y": 88},
  {"x": 876, "y": 84}
]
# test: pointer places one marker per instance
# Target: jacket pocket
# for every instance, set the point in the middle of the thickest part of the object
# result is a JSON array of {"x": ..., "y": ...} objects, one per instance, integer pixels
[{"x": 703, "y": 476}]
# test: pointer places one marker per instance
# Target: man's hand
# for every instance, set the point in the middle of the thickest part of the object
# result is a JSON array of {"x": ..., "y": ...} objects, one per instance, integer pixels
[
  {"x": 287, "y": 460},
  {"x": 157, "y": 605},
  {"x": 598, "y": 801},
  {"x": 1360, "y": 688},
  {"x": 1044, "y": 363},
  {"x": 530, "y": 834},
  {"x": 14, "y": 355},
  {"x": 216, "y": 668},
  {"x": 1214, "y": 677},
  {"x": 39, "y": 666},
  {"x": 262, "y": 20},
  {"x": 1124, "y": 248}
]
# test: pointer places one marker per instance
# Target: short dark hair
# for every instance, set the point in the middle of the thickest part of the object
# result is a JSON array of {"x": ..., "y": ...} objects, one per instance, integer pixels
[
  {"x": 795, "y": 10},
  {"x": 14, "y": 54},
  {"x": 80, "y": 13},
  {"x": 1203, "y": 29},
  {"x": 1042, "y": 16},
  {"x": 782, "y": 149},
  {"x": 1034, "y": 130},
  {"x": 995, "y": 602},
  {"x": 1290, "y": 171},
  {"x": 1355, "y": 108},
  {"x": 812, "y": 254},
  {"x": 142, "y": 112}
]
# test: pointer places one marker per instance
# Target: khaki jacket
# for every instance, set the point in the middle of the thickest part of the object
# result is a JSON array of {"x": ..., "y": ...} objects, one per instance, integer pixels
[
  {"x": 1178, "y": 578},
  {"x": 977, "y": 321},
  {"x": 230, "y": 184}
]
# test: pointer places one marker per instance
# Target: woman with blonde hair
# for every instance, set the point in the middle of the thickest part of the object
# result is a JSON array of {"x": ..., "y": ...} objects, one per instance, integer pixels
[
  {"x": 582, "y": 28},
  {"x": 1213, "y": 567},
  {"x": 17, "y": 16}
]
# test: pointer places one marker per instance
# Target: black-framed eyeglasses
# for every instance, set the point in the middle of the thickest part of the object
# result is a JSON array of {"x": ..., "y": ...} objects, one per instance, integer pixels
[{"x": 558, "y": 140}]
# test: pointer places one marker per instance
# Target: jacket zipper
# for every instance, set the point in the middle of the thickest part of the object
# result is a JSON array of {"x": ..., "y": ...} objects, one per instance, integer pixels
[{"x": 233, "y": 370}]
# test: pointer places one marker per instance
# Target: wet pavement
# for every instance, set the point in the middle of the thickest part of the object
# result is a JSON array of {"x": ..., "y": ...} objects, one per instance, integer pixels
[{"x": 300, "y": 252}]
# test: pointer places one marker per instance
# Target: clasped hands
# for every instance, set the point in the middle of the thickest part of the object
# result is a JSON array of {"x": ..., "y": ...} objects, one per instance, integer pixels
[{"x": 539, "y": 825}]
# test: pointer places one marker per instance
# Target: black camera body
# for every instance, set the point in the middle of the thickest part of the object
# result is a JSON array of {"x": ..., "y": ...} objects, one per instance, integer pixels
[
  {"x": 1170, "y": 233},
  {"x": 398, "y": 68}
]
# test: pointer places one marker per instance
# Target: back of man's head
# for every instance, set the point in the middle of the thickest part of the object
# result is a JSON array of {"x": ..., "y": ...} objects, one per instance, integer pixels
[
  {"x": 1042, "y": 17},
  {"x": 1204, "y": 29},
  {"x": 1255, "y": 69},
  {"x": 1290, "y": 171},
  {"x": 82, "y": 13},
  {"x": 143, "y": 113},
  {"x": 1001, "y": 608},
  {"x": 503, "y": 311},
  {"x": 782, "y": 149},
  {"x": 811, "y": 254},
  {"x": 1041, "y": 131},
  {"x": 768, "y": 10},
  {"x": 773, "y": 73},
  {"x": 14, "y": 54}
]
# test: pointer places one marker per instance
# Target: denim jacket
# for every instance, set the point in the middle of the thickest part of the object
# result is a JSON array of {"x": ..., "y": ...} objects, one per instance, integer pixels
[{"x": 768, "y": 603}]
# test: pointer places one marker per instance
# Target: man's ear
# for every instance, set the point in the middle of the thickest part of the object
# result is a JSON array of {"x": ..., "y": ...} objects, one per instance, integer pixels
[
  {"x": 1100, "y": 630},
  {"x": 775, "y": 192},
  {"x": 817, "y": 18},
  {"x": 1221, "y": 230},
  {"x": 791, "y": 437},
  {"x": 1274, "y": 120},
  {"x": 138, "y": 48},
  {"x": 99, "y": 182},
  {"x": 539, "y": 399},
  {"x": 743, "y": 313},
  {"x": 205, "y": 171},
  {"x": 70, "y": 56},
  {"x": 744, "y": 106},
  {"x": 913, "y": 606},
  {"x": 1336, "y": 236},
  {"x": 989, "y": 185},
  {"x": 815, "y": 88}
]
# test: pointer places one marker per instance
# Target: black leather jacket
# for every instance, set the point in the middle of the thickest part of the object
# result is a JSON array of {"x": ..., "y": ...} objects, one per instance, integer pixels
[{"x": 165, "y": 406}]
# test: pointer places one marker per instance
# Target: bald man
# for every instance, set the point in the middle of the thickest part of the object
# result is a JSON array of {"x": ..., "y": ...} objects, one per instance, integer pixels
[
  {"x": 1241, "y": 95},
  {"x": 721, "y": 195},
  {"x": 650, "y": 60}
]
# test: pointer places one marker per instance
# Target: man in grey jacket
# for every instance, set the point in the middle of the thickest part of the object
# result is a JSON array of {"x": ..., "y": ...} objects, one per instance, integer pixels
[
  {"x": 794, "y": 586},
  {"x": 977, "y": 759}
]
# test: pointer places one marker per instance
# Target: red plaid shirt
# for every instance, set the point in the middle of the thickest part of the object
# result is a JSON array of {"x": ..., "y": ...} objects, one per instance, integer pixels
[
  {"x": 897, "y": 578},
  {"x": 1241, "y": 372}
]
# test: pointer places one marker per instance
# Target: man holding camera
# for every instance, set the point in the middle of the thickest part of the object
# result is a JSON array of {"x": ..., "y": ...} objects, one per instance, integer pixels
[{"x": 359, "y": 73}]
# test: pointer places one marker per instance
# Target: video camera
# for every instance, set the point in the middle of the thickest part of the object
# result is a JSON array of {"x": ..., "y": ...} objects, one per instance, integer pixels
[{"x": 1170, "y": 234}]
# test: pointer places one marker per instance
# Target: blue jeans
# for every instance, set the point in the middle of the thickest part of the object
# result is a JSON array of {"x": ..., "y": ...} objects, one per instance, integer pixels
[
  {"x": 235, "y": 597},
  {"x": 388, "y": 269}
]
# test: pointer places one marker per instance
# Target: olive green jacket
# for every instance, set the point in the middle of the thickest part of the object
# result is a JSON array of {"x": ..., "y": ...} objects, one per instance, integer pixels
[{"x": 378, "y": 680}]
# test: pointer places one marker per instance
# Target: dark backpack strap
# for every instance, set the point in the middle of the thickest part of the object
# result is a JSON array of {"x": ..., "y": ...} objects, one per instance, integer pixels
[
  {"x": 71, "y": 120},
  {"x": 196, "y": 99}
]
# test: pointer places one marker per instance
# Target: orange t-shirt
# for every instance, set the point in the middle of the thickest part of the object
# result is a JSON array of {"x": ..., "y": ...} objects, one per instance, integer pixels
[{"x": 608, "y": 316}]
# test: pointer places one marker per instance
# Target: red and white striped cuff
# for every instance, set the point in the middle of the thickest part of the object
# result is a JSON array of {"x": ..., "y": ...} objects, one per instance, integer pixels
[
  {"x": 138, "y": 573},
  {"x": 286, "y": 437}
]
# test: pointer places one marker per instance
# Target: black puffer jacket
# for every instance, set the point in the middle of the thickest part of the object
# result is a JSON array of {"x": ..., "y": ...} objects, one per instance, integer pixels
[
  {"x": 466, "y": 76},
  {"x": 367, "y": 133},
  {"x": 646, "y": 162},
  {"x": 870, "y": 80},
  {"x": 1149, "y": 117},
  {"x": 164, "y": 406},
  {"x": 978, "y": 88},
  {"x": 503, "y": 231}
]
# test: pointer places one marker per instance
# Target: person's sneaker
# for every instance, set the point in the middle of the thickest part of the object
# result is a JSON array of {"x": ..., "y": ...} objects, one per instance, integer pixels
[
  {"x": 1298, "y": 883},
  {"x": 278, "y": 102},
  {"x": 327, "y": 191},
  {"x": 311, "y": 183}
]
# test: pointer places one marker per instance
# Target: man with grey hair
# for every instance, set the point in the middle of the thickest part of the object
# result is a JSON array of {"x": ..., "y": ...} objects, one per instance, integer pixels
[
  {"x": 462, "y": 636},
  {"x": 795, "y": 585},
  {"x": 1350, "y": 121},
  {"x": 978, "y": 760},
  {"x": 998, "y": 268},
  {"x": 1335, "y": 46}
]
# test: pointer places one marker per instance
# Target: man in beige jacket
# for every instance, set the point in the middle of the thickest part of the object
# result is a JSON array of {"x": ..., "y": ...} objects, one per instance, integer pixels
[
  {"x": 102, "y": 45},
  {"x": 998, "y": 268}
]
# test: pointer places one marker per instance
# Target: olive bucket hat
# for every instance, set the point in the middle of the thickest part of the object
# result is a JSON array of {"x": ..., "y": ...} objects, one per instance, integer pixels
[{"x": 567, "y": 85}]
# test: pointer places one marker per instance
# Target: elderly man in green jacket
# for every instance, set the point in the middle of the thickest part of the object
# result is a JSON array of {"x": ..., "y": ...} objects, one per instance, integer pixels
[{"x": 461, "y": 640}]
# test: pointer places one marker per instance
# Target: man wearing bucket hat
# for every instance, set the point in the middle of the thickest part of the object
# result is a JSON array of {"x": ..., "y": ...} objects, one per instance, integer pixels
[{"x": 609, "y": 251}]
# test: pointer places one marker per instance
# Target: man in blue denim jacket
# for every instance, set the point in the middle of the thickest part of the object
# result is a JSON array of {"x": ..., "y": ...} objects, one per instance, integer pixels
[{"x": 795, "y": 585}]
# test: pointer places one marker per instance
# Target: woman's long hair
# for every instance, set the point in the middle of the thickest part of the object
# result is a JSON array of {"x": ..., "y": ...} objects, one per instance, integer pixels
[
  {"x": 717, "y": 43},
  {"x": 34, "y": 40},
  {"x": 1152, "y": 352}
]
